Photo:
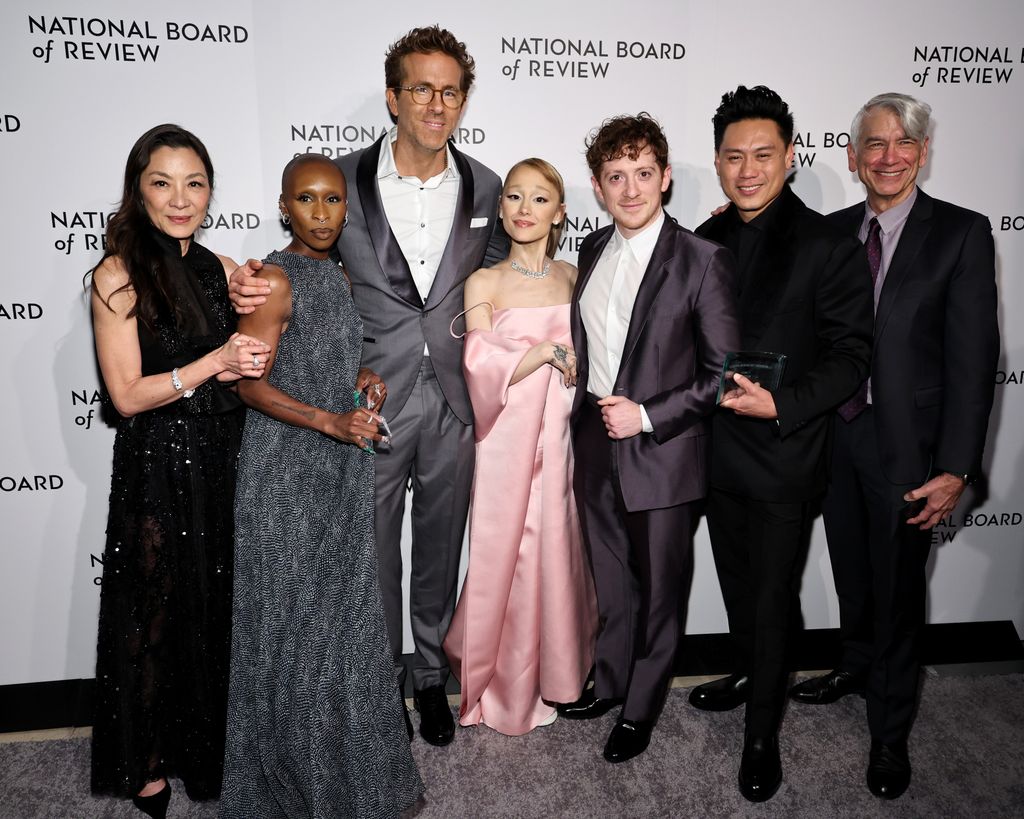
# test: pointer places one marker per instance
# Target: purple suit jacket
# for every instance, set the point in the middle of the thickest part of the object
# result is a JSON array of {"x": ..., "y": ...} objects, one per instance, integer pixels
[{"x": 683, "y": 323}]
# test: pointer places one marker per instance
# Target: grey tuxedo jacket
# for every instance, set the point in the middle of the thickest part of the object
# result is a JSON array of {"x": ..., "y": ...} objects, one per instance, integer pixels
[{"x": 396, "y": 321}]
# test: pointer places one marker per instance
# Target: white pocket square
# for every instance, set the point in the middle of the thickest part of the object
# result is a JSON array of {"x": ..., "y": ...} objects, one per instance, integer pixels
[{"x": 478, "y": 221}]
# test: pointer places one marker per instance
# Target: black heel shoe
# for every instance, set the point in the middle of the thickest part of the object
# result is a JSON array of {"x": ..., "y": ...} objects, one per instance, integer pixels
[{"x": 156, "y": 804}]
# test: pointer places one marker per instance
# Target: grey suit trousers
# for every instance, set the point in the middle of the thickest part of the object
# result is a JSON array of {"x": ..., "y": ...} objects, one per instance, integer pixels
[{"x": 434, "y": 450}]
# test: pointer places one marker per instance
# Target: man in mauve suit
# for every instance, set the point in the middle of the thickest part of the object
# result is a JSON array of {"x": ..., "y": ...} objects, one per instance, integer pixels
[
  {"x": 804, "y": 292},
  {"x": 652, "y": 319},
  {"x": 422, "y": 216},
  {"x": 912, "y": 439}
]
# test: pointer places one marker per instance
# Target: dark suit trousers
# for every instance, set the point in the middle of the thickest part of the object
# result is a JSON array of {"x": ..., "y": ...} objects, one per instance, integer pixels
[
  {"x": 757, "y": 547},
  {"x": 878, "y": 563},
  {"x": 639, "y": 561},
  {"x": 434, "y": 450}
]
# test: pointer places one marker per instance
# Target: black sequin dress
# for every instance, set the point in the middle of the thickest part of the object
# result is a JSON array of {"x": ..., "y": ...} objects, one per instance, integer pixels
[
  {"x": 165, "y": 602},
  {"x": 315, "y": 726}
]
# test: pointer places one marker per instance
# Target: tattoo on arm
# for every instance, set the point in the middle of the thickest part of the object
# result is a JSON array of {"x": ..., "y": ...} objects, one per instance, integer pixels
[
  {"x": 307, "y": 414},
  {"x": 561, "y": 355}
]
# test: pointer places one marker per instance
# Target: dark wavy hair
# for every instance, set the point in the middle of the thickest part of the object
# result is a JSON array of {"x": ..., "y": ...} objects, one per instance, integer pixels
[
  {"x": 428, "y": 40},
  {"x": 759, "y": 102},
  {"x": 131, "y": 235},
  {"x": 626, "y": 136}
]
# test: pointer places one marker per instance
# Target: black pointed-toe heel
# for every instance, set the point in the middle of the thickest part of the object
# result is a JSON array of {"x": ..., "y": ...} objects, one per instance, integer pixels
[{"x": 154, "y": 805}]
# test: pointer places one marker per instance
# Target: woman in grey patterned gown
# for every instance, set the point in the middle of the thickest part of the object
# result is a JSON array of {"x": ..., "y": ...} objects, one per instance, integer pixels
[{"x": 315, "y": 724}]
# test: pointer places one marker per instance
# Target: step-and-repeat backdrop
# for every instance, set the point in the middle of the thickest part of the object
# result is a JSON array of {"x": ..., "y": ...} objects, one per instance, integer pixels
[{"x": 260, "y": 83}]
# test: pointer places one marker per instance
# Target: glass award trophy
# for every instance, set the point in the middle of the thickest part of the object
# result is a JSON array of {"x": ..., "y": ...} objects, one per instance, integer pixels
[{"x": 762, "y": 368}]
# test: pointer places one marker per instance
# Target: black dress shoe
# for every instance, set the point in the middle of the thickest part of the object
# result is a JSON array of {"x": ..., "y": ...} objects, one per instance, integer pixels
[
  {"x": 827, "y": 688},
  {"x": 587, "y": 706},
  {"x": 721, "y": 695},
  {"x": 436, "y": 723},
  {"x": 760, "y": 768},
  {"x": 154, "y": 805},
  {"x": 628, "y": 739},
  {"x": 888, "y": 770}
]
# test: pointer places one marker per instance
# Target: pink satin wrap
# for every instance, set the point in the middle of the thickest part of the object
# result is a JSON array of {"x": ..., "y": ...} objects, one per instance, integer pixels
[{"x": 524, "y": 628}]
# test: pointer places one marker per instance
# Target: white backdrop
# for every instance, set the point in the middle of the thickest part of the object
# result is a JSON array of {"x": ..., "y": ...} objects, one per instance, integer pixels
[{"x": 82, "y": 80}]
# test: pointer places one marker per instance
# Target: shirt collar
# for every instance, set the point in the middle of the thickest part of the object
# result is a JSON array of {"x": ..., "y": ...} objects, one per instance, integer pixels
[
  {"x": 386, "y": 161},
  {"x": 642, "y": 244},
  {"x": 895, "y": 216}
]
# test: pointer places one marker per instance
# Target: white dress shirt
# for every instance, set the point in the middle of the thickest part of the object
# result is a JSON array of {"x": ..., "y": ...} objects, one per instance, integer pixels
[
  {"x": 420, "y": 213},
  {"x": 606, "y": 305}
]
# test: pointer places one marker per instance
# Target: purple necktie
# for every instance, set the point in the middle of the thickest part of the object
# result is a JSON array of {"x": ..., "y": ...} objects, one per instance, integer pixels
[{"x": 858, "y": 402}]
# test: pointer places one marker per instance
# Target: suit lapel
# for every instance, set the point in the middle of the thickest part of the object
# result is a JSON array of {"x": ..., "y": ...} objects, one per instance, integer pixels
[
  {"x": 915, "y": 231},
  {"x": 385, "y": 246},
  {"x": 450, "y": 266},
  {"x": 654, "y": 277}
]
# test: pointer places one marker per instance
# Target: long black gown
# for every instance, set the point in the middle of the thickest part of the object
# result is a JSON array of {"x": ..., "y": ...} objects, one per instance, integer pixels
[{"x": 165, "y": 602}]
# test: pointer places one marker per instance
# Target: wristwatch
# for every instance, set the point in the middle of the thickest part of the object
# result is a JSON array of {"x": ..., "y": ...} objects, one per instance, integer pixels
[{"x": 178, "y": 386}]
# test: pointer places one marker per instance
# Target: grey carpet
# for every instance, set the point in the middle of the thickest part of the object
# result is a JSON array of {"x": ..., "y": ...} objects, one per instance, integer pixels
[{"x": 966, "y": 750}]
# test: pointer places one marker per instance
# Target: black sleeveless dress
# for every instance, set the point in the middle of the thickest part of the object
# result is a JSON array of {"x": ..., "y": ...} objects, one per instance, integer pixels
[{"x": 165, "y": 602}]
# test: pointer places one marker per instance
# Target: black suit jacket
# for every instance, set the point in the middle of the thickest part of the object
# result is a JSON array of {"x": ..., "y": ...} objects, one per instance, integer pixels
[
  {"x": 683, "y": 323},
  {"x": 807, "y": 294},
  {"x": 936, "y": 341}
]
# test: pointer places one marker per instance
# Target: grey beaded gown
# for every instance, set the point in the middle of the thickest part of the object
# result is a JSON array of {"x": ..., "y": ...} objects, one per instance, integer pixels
[{"x": 315, "y": 727}]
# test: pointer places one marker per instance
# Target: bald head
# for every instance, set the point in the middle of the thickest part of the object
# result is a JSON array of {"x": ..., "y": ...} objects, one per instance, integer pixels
[{"x": 317, "y": 162}]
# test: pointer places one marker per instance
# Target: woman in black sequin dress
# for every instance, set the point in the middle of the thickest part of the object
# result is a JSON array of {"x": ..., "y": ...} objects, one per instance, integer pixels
[
  {"x": 166, "y": 350},
  {"x": 315, "y": 723}
]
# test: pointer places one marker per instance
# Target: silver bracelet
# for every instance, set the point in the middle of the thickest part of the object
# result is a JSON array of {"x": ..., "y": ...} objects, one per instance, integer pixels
[{"x": 178, "y": 386}]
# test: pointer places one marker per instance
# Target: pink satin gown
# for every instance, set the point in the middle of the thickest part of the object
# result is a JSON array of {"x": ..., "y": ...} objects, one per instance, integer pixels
[{"x": 523, "y": 632}]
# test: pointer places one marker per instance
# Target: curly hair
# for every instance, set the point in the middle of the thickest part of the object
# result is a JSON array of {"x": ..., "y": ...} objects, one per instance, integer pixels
[
  {"x": 428, "y": 40},
  {"x": 626, "y": 136}
]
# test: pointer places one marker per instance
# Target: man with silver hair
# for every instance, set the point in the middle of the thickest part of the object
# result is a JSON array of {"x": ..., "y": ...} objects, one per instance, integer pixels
[{"x": 912, "y": 438}]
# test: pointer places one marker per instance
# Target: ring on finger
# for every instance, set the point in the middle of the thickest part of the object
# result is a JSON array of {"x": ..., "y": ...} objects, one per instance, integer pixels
[{"x": 255, "y": 361}]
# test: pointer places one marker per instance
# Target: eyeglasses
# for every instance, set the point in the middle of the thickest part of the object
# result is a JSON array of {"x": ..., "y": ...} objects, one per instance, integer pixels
[{"x": 424, "y": 95}]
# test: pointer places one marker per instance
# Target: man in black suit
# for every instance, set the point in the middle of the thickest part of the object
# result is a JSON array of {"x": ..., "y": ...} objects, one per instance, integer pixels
[
  {"x": 912, "y": 438},
  {"x": 653, "y": 316},
  {"x": 804, "y": 292}
]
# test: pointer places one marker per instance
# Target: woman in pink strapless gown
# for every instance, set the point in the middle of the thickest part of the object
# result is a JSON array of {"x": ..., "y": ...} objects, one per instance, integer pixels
[{"x": 522, "y": 636}]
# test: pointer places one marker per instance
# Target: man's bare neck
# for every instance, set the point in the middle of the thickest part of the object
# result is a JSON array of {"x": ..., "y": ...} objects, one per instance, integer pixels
[{"x": 422, "y": 164}]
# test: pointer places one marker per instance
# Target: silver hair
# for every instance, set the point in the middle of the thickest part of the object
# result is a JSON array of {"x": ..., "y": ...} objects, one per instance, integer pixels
[{"x": 914, "y": 115}]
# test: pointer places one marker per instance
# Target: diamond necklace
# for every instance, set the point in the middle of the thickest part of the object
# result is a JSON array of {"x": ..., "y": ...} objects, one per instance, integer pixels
[{"x": 530, "y": 274}]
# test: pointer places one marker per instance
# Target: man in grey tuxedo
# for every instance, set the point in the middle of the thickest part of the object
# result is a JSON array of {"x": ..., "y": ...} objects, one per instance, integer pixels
[{"x": 422, "y": 216}]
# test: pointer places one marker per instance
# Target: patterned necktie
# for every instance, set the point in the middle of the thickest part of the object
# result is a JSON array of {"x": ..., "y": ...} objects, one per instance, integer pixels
[{"x": 858, "y": 402}]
